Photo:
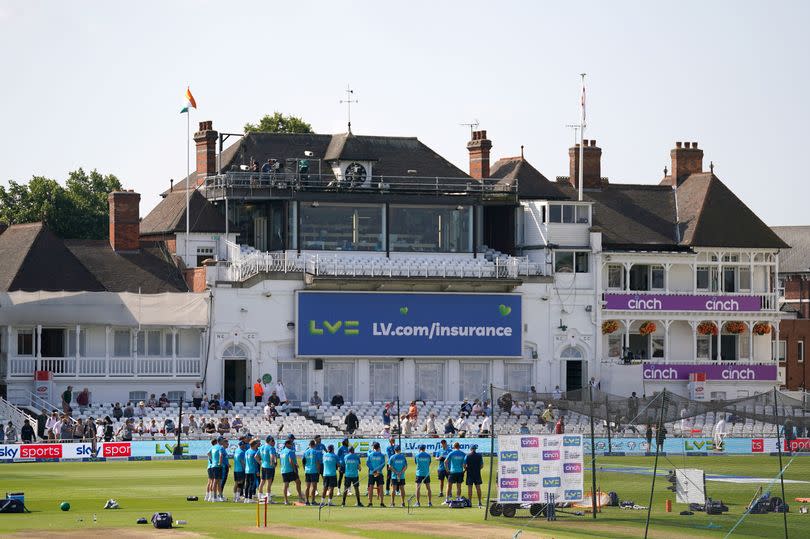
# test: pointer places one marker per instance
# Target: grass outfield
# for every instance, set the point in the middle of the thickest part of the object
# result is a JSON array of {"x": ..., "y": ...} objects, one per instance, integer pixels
[{"x": 145, "y": 487}]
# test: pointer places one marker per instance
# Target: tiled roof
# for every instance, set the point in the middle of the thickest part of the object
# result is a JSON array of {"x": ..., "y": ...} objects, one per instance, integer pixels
[
  {"x": 796, "y": 259},
  {"x": 169, "y": 216},
  {"x": 531, "y": 182}
]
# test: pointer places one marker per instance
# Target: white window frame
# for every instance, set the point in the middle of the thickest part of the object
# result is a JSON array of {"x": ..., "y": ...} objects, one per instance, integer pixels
[
  {"x": 32, "y": 333},
  {"x": 622, "y": 276},
  {"x": 800, "y": 351}
]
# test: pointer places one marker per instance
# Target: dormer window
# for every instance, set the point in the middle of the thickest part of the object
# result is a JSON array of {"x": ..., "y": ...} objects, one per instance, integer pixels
[
  {"x": 568, "y": 213},
  {"x": 356, "y": 174}
]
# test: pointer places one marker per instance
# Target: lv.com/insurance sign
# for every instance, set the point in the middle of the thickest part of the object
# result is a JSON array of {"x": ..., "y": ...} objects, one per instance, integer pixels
[{"x": 370, "y": 324}]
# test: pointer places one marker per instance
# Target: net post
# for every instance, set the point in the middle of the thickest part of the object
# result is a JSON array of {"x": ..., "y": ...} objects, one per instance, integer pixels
[
  {"x": 593, "y": 454},
  {"x": 779, "y": 450},
  {"x": 491, "y": 448},
  {"x": 655, "y": 467},
  {"x": 607, "y": 416}
]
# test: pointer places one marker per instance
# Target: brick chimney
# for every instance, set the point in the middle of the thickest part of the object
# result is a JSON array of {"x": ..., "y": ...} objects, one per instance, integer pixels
[
  {"x": 592, "y": 165},
  {"x": 479, "y": 148},
  {"x": 686, "y": 159},
  {"x": 206, "y": 139},
  {"x": 124, "y": 220}
]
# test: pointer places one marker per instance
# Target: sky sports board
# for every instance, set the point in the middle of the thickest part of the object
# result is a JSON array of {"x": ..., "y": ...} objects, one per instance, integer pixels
[
  {"x": 530, "y": 468},
  {"x": 368, "y": 324}
]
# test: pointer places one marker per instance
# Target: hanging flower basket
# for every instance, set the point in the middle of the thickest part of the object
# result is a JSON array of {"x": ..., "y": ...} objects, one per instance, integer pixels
[
  {"x": 610, "y": 326},
  {"x": 647, "y": 328},
  {"x": 762, "y": 328},
  {"x": 707, "y": 328},
  {"x": 735, "y": 328}
]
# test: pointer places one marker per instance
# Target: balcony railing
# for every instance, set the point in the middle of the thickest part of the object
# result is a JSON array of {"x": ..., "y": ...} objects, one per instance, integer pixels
[
  {"x": 283, "y": 184},
  {"x": 71, "y": 367}
]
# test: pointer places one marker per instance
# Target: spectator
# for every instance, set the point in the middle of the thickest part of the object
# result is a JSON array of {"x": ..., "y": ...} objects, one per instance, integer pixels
[
  {"x": 236, "y": 424},
  {"x": 430, "y": 425},
  {"x": 209, "y": 427},
  {"x": 505, "y": 402},
  {"x": 90, "y": 432},
  {"x": 486, "y": 425},
  {"x": 524, "y": 428},
  {"x": 153, "y": 428},
  {"x": 152, "y": 402},
  {"x": 405, "y": 425},
  {"x": 224, "y": 426},
  {"x": 227, "y": 405},
  {"x": 532, "y": 394},
  {"x": 487, "y": 407},
  {"x": 52, "y": 426},
  {"x": 117, "y": 412},
  {"x": 78, "y": 429},
  {"x": 660, "y": 437},
  {"x": 462, "y": 425},
  {"x": 2, "y": 433},
  {"x": 203, "y": 407},
  {"x": 193, "y": 426},
  {"x": 386, "y": 414},
  {"x": 632, "y": 406},
  {"x": 315, "y": 400},
  {"x": 184, "y": 423},
  {"x": 258, "y": 391},
  {"x": 129, "y": 411},
  {"x": 196, "y": 395},
  {"x": 83, "y": 399},
  {"x": 548, "y": 417},
  {"x": 168, "y": 426},
  {"x": 65, "y": 429},
  {"x": 559, "y": 428},
  {"x": 267, "y": 167},
  {"x": 517, "y": 409},
  {"x": 684, "y": 421},
  {"x": 42, "y": 421},
  {"x": 466, "y": 407},
  {"x": 413, "y": 412},
  {"x": 140, "y": 428},
  {"x": 337, "y": 400},
  {"x": 350, "y": 420},
  {"x": 108, "y": 429},
  {"x": 449, "y": 427},
  {"x": 163, "y": 401},
  {"x": 788, "y": 433},
  {"x": 126, "y": 430},
  {"x": 273, "y": 399},
  {"x": 140, "y": 410},
  {"x": 67, "y": 396},
  {"x": 719, "y": 433},
  {"x": 281, "y": 392},
  {"x": 477, "y": 409},
  {"x": 11, "y": 432},
  {"x": 213, "y": 403},
  {"x": 270, "y": 412},
  {"x": 557, "y": 393}
]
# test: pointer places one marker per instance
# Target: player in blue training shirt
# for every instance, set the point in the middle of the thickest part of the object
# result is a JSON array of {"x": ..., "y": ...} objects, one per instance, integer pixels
[
  {"x": 454, "y": 462},
  {"x": 376, "y": 464},
  {"x": 226, "y": 467},
  {"x": 342, "y": 451},
  {"x": 389, "y": 452},
  {"x": 351, "y": 463},
  {"x": 268, "y": 455},
  {"x": 289, "y": 468},
  {"x": 473, "y": 463},
  {"x": 330, "y": 464},
  {"x": 441, "y": 455},
  {"x": 239, "y": 470},
  {"x": 398, "y": 464},
  {"x": 422, "y": 460},
  {"x": 312, "y": 470},
  {"x": 251, "y": 469}
]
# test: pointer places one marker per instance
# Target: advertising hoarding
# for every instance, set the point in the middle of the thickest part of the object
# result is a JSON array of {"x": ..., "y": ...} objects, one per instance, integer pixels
[
  {"x": 530, "y": 468},
  {"x": 682, "y": 302}
]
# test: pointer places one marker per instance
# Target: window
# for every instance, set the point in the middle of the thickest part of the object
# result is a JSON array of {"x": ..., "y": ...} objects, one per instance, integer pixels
[
  {"x": 707, "y": 278},
  {"x": 135, "y": 396},
  {"x": 384, "y": 381},
  {"x": 582, "y": 214},
  {"x": 703, "y": 347},
  {"x": 169, "y": 338},
  {"x": 744, "y": 279},
  {"x": 571, "y": 261},
  {"x": 122, "y": 343},
  {"x": 644, "y": 277},
  {"x": 474, "y": 380},
  {"x": 25, "y": 342},
  {"x": 568, "y": 213},
  {"x": 176, "y": 396},
  {"x": 342, "y": 227},
  {"x": 443, "y": 229},
  {"x": 729, "y": 280},
  {"x": 430, "y": 381},
  {"x": 657, "y": 277},
  {"x": 616, "y": 276},
  {"x": 518, "y": 376},
  {"x": 294, "y": 375},
  {"x": 779, "y": 348},
  {"x": 657, "y": 346},
  {"x": 149, "y": 343},
  {"x": 743, "y": 344},
  {"x": 71, "y": 344},
  {"x": 615, "y": 345},
  {"x": 203, "y": 254},
  {"x": 338, "y": 377},
  {"x": 188, "y": 343},
  {"x": 800, "y": 351},
  {"x": 717, "y": 395},
  {"x": 569, "y": 352}
]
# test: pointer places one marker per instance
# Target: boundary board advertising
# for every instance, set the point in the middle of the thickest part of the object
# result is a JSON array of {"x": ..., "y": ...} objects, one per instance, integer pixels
[
  {"x": 532, "y": 467},
  {"x": 383, "y": 324}
]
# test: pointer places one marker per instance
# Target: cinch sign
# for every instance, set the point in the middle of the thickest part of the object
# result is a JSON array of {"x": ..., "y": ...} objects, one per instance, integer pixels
[
  {"x": 720, "y": 372},
  {"x": 375, "y": 324},
  {"x": 682, "y": 302}
]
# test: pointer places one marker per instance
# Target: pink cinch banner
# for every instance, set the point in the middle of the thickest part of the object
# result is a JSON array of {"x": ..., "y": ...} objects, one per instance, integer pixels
[
  {"x": 718, "y": 372},
  {"x": 682, "y": 302}
]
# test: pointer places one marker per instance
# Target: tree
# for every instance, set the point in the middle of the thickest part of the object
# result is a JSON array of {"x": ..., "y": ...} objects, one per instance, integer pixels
[
  {"x": 279, "y": 123},
  {"x": 79, "y": 210}
]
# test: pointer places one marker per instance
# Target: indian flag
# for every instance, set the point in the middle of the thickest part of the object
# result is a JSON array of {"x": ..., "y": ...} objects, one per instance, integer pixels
[{"x": 190, "y": 102}]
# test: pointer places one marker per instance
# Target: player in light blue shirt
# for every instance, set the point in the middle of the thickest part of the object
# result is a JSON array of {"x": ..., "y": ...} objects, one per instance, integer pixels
[
  {"x": 441, "y": 455},
  {"x": 422, "y": 460},
  {"x": 330, "y": 464},
  {"x": 376, "y": 464},
  {"x": 214, "y": 489},
  {"x": 239, "y": 470},
  {"x": 342, "y": 451},
  {"x": 398, "y": 464},
  {"x": 454, "y": 462},
  {"x": 251, "y": 469},
  {"x": 312, "y": 470},
  {"x": 351, "y": 463},
  {"x": 268, "y": 455}
]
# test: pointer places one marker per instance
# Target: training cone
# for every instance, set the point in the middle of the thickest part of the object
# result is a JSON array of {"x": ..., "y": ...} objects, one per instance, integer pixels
[{"x": 64, "y": 506}]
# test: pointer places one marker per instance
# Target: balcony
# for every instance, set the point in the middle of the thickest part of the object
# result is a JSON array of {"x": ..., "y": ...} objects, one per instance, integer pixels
[
  {"x": 284, "y": 185},
  {"x": 723, "y": 302},
  {"x": 101, "y": 367}
]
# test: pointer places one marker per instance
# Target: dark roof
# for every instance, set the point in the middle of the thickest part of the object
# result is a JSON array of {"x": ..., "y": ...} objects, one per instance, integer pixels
[
  {"x": 34, "y": 258},
  {"x": 711, "y": 215},
  {"x": 169, "y": 216},
  {"x": 796, "y": 259},
  {"x": 531, "y": 182}
]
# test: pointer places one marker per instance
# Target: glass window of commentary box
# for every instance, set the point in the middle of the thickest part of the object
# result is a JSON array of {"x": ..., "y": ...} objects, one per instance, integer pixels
[
  {"x": 571, "y": 262},
  {"x": 431, "y": 229},
  {"x": 342, "y": 227},
  {"x": 568, "y": 213}
]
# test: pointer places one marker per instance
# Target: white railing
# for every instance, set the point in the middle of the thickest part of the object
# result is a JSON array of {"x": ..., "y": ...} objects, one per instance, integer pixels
[
  {"x": 11, "y": 413},
  {"x": 24, "y": 366},
  {"x": 245, "y": 264}
]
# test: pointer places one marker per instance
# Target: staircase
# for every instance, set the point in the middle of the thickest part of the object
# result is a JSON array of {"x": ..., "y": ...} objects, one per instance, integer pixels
[{"x": 9, "y": 412}]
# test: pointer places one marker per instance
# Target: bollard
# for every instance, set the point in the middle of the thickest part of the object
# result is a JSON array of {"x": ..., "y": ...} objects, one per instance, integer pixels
[{"x": 668, "y": 506}]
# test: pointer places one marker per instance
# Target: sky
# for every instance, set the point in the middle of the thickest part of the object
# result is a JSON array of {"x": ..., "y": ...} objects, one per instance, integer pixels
[{"x": 99, "y": 84}]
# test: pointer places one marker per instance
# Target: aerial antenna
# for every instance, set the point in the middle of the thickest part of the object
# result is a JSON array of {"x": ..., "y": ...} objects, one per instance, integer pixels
[
  {"x": 575, "y": 128},
  {"x": 472, "y": 125},
  {"x": 349, "y": 101}
]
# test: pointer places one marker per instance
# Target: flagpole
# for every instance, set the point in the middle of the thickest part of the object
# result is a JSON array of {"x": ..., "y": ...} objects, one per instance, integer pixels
[
  {"x": 188, "y": 173},
  {"x": 582, "y": 138}
]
